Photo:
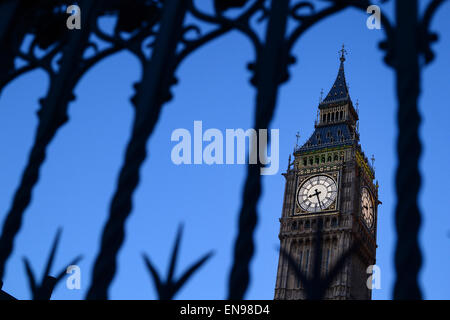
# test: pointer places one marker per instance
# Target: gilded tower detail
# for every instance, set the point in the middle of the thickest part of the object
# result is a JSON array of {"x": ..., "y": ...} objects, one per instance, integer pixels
[{"x": 330, "y": 179}]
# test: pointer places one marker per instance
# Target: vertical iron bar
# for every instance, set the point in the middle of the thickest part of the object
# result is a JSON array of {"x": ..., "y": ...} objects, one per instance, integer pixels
[
  {"x": 8, "y": 9},
  {"x": 152, "y": 92},
  {"x": 52, "y": 115},
  {"x": 408, "y": 258},
  {"x": 270, "y": 66},
  {"x": 46, "y": 289}
]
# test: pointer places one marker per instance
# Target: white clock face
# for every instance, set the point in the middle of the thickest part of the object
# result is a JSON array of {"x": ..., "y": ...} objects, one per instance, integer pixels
[
  {"x": 367, "y": 207},
  {"x": 317, "y": 193}
]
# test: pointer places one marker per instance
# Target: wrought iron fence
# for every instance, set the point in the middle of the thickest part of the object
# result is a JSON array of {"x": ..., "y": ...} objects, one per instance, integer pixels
[{"x": 156, "y": 28}]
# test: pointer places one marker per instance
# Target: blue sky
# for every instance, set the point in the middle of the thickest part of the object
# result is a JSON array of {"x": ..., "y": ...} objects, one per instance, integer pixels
[{"x": 80, "y": 173}]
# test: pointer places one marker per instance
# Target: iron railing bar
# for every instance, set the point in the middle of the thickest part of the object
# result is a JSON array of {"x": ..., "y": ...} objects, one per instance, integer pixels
[
  {"x": 270, "y": 66},
  {"x": 152, "y": 92},
  {"x": 408, "y": 258},
  {"x": 52, "y": 115}
]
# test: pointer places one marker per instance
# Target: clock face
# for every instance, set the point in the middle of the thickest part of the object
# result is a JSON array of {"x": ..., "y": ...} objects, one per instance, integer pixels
[
  {"x": 367, "y": 207},
  {"x": 317, "y": 193}
]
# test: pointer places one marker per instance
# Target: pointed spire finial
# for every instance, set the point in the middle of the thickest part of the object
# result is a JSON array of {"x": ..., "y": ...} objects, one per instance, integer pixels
[
  {"x": 321, "y": 95},
  {"x": 343, "y": 52},
  {"x": 373, "y": 160},
  {"x": 298, "y": 137},
  {"x": 357, "y": 106}
]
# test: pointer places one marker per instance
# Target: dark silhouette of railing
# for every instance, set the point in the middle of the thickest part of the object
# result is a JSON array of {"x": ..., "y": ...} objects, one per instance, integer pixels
[
  {"x": 163, "y": 23},
  {"x": 43, "y": 290},
  {"x": 167, "y": 289},
  {"x": 315, "y": 286}
]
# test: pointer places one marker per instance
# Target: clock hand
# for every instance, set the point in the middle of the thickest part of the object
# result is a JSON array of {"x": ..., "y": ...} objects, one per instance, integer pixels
[
  {"x": 318, "y": 199},
  {"x": 317, "y": 192}
]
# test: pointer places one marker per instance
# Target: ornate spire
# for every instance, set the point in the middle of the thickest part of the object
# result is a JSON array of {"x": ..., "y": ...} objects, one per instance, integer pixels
[
  {"x": 339, "y": 91},
  {"x": 337, "y": 124}
]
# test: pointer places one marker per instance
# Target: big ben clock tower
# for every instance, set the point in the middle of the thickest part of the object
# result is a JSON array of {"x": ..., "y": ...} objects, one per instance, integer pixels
[{"x": 330, "y": 179}]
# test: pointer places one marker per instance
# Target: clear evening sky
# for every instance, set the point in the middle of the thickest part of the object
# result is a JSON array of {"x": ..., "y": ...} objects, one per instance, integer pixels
[{"x": 80, "y": 173}]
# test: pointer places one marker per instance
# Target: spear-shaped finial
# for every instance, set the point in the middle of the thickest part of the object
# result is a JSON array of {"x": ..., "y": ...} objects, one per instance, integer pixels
[
  {"x": 166, "y": 289},
  {"x": 343, "y": 53}
]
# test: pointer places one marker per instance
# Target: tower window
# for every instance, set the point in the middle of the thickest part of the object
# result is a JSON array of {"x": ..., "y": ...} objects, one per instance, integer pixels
[
  {"x": 327, "y": 261},
  {"x": 300, "y": 260},
  {"x": 317, "y": 160},
  {"x": 333, "y": 222},
  {"x": 323, "y": 159},
  {"x": 305, "y": 161},
  {"x": 307, "y": 262},
  {"x": 311, "y": 161},
  {"x": 329, "y": 159},
  {"x": 335, "y": 157}
]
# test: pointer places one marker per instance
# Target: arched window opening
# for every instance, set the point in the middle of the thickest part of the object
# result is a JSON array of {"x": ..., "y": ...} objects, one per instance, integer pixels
[{"x": 300, "y": 260}]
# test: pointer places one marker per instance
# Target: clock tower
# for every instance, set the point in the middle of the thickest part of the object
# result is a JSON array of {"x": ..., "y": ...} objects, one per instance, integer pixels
[{"x": 330, "y": 179}]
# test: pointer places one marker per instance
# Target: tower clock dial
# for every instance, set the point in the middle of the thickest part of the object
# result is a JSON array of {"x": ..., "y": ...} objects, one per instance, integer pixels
[
  {"x": 317, "y": 193},
  {"x": 367, "y": 207}
]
